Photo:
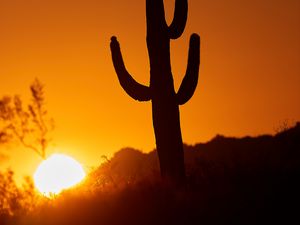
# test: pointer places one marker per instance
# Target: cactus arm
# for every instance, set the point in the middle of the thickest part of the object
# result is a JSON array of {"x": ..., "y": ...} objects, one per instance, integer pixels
[
  {"x": 190, "y": 80},
  {"x": 177, "y": 26},
  {"x": 132, "y": 88}
]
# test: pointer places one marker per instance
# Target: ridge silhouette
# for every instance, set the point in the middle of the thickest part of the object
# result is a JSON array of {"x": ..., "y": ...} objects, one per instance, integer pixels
[
  {"x": 248, "y": 180},
  {"x": 165, "y": 101}
]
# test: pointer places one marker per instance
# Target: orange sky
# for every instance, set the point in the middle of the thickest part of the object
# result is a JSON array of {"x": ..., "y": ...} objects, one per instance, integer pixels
[{"x": 249, "y": 77}]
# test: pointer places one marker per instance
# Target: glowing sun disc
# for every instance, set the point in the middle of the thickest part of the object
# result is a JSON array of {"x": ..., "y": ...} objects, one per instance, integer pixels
[{"x": 56, "y": 173}]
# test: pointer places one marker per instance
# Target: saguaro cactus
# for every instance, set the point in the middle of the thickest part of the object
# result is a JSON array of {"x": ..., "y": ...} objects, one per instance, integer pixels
[{"x": 165, "y": 101}]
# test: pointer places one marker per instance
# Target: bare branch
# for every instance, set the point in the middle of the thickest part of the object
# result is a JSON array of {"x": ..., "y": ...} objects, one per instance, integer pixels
[{"x": 29, "y": 126}]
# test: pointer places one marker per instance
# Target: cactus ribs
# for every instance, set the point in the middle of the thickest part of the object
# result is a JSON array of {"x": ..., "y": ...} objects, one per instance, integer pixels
[{"x": 165, "y": 101}]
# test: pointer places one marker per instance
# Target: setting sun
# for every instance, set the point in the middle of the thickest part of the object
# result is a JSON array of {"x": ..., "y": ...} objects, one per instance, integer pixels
[
  {"x": 56, "y": 173},
  {"x": 149, "y": 112}
]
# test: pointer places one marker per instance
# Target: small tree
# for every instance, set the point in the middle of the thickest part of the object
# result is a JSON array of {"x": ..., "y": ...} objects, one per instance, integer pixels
[{"x": 29, "y": 126}]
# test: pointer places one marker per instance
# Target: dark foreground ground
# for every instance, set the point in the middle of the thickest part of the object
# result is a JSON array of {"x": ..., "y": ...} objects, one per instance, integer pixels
[{"x": 251, "y": 180}]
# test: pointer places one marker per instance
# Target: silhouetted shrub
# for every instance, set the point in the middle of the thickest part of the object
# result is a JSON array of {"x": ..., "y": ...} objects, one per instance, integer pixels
[
  {"x": 15, "y": 201},
  {"x": 251, "y": 180}
]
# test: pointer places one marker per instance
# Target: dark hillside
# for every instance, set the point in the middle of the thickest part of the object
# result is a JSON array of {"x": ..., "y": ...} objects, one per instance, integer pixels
[{"x": 250, "y": 180}]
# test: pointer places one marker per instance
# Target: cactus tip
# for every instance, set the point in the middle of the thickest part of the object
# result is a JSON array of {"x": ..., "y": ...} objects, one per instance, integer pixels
[
  {"x": 195, "y": 37},
  {"x": 114, "y": 42},
  {"x": 113, "y": 38}
]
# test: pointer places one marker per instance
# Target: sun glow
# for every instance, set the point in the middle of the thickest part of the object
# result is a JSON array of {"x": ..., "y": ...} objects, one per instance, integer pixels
[{"x": 56, "y": 173}]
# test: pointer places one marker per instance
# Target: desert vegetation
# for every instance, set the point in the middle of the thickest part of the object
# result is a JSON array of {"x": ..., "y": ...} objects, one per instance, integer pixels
[
  {"x": 161, "y": 91},
  {"x": 228, "y": 180},
  {"x": 28, "y": 125},
  {"x": 250, "y": 180}
]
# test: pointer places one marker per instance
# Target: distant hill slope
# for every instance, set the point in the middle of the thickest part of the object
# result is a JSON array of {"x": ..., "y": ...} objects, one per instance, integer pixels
[
  {"x": 249, "y": 180},
  {"x": 230, "y": 181},
  {"x": 279, "y": 153},
  {"x": 262, "y": 155}
]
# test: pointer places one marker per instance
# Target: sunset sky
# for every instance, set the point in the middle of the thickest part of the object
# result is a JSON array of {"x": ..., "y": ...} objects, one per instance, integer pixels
[{"x": 249, "y": 75}]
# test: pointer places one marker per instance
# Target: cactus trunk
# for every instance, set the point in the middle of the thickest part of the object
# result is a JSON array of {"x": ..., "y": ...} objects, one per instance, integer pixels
[
  {"x": 165, "y": 101},
  {"x": 166, "y": 123}
]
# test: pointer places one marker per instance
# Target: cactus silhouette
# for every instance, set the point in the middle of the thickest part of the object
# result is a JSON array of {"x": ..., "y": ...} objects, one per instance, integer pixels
[{"x": 165, "y": 101}]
